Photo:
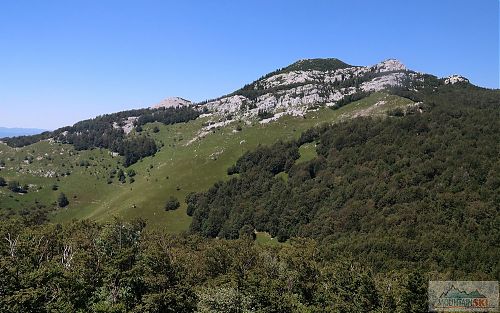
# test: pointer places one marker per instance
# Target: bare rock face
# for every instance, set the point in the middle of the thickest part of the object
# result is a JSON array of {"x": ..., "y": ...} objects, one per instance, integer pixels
[
  {"x": 172, "y": 102},
  {"x": 290, "y": 92},
  {"x": 453, "y": 79},
  {"x": 390, "y": 65}
]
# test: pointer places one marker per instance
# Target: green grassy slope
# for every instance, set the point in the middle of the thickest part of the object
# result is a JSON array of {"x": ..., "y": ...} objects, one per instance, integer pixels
[
  {"x": 177, "y": 169},
  {"x": 307, "y": 152},
  {"x": 180, "y": 168},
  {"x": 376, "y": 104},
  {"x": 50, "y": 164}
]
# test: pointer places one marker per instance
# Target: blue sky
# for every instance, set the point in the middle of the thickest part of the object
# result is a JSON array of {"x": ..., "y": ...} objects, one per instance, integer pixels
[{"x": 63, "y": 61}]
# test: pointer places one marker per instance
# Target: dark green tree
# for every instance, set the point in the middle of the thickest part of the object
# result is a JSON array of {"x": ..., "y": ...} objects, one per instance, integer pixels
[
  {"x": 172, "y": 204},
  {"x": 14, "y": 186},
  {"x": 131, "y": 173},
  {"x": 247, "y": 232},
  {"x": 121, "y": 176},
  {"x": 62, "y": 200}
]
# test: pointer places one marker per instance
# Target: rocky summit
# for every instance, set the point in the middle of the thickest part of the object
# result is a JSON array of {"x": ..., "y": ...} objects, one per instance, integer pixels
[
  {"x": 306, "y": 84},
  {"x": 172, "y": 102}
]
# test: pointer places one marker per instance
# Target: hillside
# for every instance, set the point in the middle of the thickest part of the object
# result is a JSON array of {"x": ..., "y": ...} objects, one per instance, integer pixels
[
  {"x": 308, "y": 84},
  {"x": 191, "y": 145},
  {"x": 320, "y": 187},
  {"x": 413, "y": 190},
  {"x": 183, "y": 156}
]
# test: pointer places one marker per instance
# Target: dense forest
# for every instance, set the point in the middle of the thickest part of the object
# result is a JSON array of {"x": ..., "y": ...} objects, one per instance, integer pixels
[
  {"x": 106, "y": 132},
  {"x": 415, "y": 191},
  {"x": 121, "y": 267}
]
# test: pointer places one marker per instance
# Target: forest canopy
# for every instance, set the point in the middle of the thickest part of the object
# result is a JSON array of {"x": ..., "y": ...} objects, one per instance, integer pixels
[{"x": 420, "y": 190}]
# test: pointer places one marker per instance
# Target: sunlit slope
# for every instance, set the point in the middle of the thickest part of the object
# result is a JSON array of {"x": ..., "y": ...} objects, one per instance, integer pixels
[
  {"x": 44, "y": 164},
  {"x": 180, "y": 168},
  {"x": 177, "y": 169}
]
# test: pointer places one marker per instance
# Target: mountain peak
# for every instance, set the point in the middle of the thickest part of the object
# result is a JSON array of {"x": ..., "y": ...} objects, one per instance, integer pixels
[
  {"x": 390, "y": 65},
  {"x": 453, "y": 79},
  {"x": 171, "y": 102},
  {"x": 323, "y": 65},
  {"x": 308, "y": 83}
]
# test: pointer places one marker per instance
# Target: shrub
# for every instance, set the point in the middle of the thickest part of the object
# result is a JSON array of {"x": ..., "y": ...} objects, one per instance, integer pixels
[
  {"x": 62, "y": 200},
  {"x": 14, "y": 186},
  {"x": 172, "y": 204}
]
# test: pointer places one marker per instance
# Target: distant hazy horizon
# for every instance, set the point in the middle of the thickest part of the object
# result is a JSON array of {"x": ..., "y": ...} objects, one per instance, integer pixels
[{"x": 11, "y": 132}]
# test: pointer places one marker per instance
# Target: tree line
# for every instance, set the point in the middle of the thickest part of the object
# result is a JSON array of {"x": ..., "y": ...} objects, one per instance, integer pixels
[{"x": 105, "y": 132}]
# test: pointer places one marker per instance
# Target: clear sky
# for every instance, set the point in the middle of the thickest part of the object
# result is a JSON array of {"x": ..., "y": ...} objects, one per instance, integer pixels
[{"x": 64, "y": 61}]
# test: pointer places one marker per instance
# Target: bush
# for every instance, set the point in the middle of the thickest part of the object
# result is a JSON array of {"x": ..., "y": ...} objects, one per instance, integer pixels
[
  {"x": 62, "y": 200},
  {"x": 121, "y": 176},
  {"x": 247, "y": 232},
  {"x": 131, "y": 173},
  {"x": 396, "y": 112},
  {"x": 172, "y": 204},
  {"x": 3, "y": 183},
  {"x": 232, "y": 170},
  {"x": 263, "y": 114},
  {"x": 14, "y": 186}
]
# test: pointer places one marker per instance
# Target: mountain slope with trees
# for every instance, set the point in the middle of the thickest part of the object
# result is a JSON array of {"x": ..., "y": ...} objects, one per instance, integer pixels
[
  {"x": 366, "y": 198},
  {"x": 420, "y": 190},
  {"x": 107, "y": 132}
]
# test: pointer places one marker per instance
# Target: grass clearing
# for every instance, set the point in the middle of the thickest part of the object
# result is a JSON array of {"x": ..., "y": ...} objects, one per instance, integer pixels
[
  {"x": 307, "y": 152},
  {"x": 265, "y": 239}
]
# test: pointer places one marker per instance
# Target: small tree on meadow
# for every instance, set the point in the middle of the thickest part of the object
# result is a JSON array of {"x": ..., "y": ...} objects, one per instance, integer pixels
[
  {"x": 14, "y": 186},
  {"x": 172, "y": 204},
  {"x": 121, "y": 176},
  {"x": 62, "y": 200}
]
